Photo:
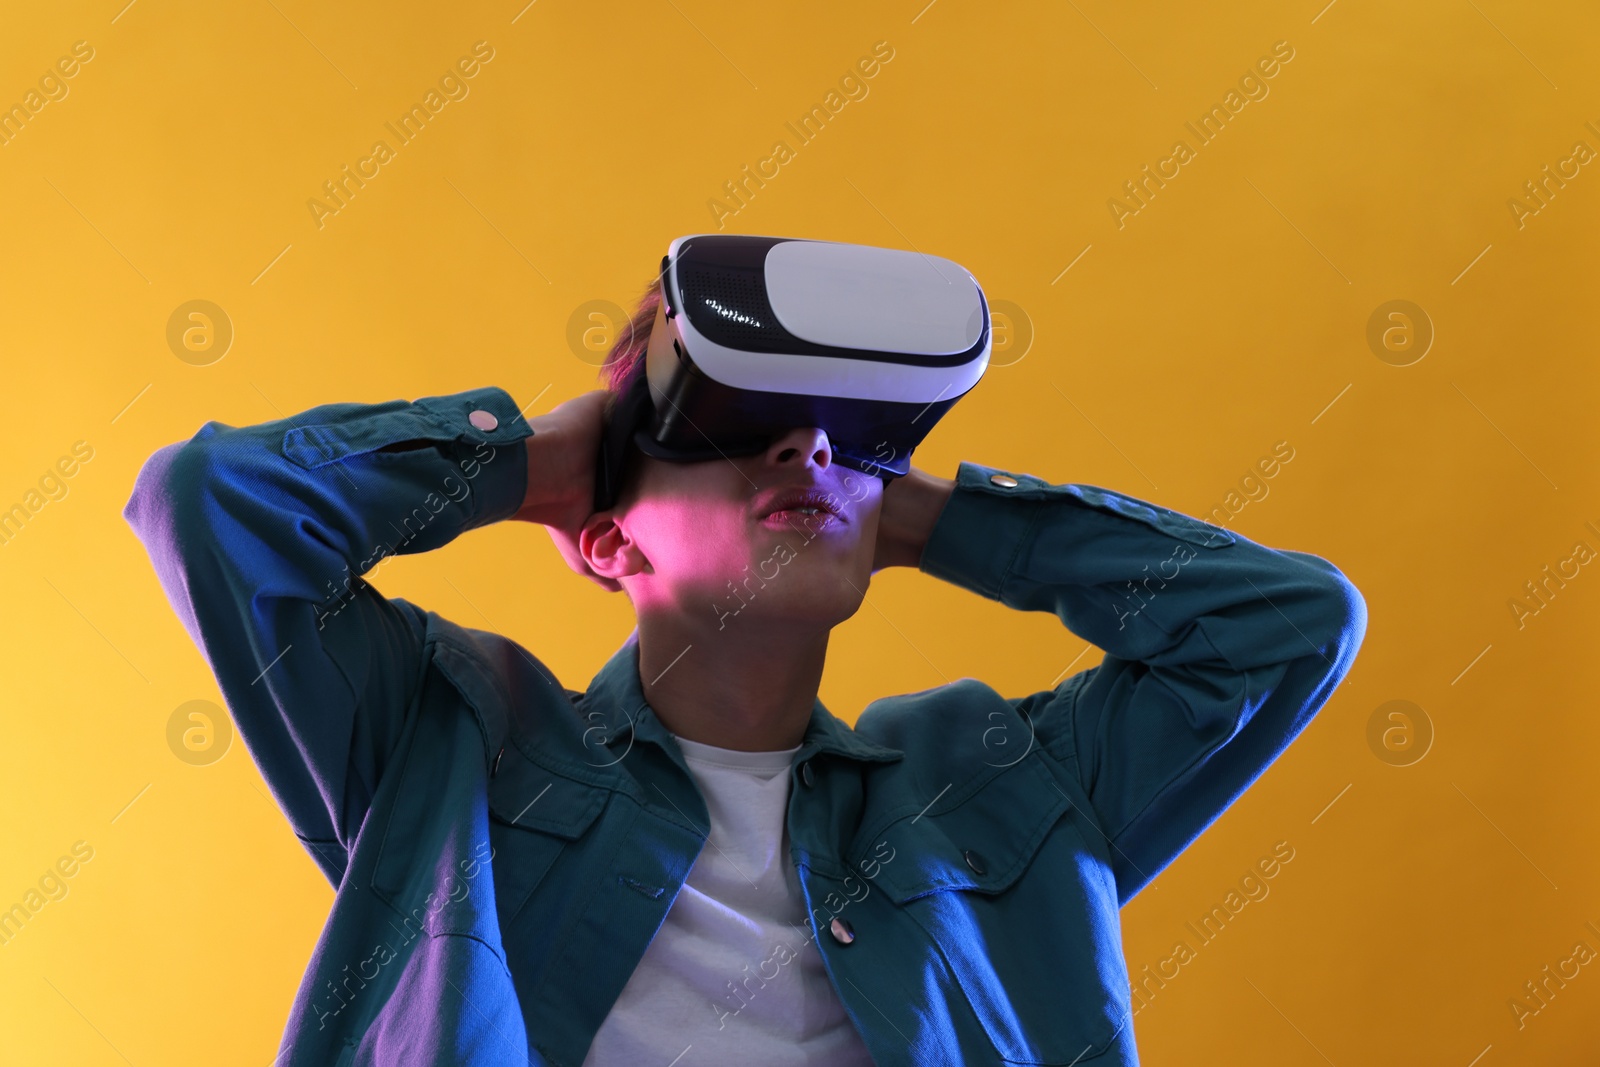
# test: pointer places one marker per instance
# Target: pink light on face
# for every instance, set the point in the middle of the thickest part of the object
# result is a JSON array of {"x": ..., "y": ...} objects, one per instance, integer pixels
[{"x": 715, "y": 529}]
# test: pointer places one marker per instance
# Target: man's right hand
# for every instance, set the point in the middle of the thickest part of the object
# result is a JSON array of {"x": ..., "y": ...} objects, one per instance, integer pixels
[{"x": 562, "y": 454}]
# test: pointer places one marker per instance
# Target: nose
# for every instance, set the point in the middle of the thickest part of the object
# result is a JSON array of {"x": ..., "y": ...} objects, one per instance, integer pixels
[{"x": 806, "y": 445}]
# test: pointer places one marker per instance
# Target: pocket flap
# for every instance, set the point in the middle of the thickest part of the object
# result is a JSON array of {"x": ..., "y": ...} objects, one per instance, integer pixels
[
  {"x": 981, "y": 839},
  {"x": 528, "y": 796}
]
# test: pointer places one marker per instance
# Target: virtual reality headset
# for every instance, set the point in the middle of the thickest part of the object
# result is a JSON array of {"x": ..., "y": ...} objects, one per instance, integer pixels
[{"x": 758, "y": 335}]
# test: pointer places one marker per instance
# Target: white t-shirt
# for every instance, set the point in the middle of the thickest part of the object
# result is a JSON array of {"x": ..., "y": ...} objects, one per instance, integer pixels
[{"x": 732, "y": 976}]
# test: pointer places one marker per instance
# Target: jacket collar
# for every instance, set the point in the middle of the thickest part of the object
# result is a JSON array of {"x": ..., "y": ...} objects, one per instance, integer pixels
[{"x": 615, "y": 698}]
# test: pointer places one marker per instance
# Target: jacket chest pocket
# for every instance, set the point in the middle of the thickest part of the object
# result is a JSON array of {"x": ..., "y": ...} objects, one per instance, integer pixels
[
  {"x": 1022, "y": 912},
  {"x": 535, "y": 816}
]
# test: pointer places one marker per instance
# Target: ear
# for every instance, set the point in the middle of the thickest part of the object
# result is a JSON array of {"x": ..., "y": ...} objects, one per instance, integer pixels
[
  {"x": 572, "y": 547},
  {"x": 607, "y": 552}
]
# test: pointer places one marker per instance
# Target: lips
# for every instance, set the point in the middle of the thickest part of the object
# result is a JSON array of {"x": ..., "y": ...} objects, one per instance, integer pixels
[{"x": 798, "y": 497}]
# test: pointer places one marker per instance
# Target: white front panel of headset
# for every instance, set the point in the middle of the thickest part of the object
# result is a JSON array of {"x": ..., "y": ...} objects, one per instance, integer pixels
[
  {"x": 878, "y": 299},
  {"x": 860, "y": 377}
]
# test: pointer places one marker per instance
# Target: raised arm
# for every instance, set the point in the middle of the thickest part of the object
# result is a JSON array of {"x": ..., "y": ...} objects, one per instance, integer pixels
[
  {"x": 260, "y": 535},
  {"x": 1218, "y": 650}
]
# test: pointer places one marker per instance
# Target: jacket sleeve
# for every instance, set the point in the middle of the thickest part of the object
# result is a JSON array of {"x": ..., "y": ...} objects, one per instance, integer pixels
[
  {"x": 260, "y": 535},
  {"x": 1218, "y": 650}
]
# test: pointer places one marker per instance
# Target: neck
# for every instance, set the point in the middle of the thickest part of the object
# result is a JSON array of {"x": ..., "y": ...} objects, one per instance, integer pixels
[{"x": 747, "y": 687}]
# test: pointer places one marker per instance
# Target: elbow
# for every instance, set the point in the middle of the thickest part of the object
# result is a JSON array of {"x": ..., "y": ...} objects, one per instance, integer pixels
[
  {"x": 174, "y": 477},
  {"x": 163, "y": 489},
  {"x": 1335, "y": 616},
  {"x": 1345, "y": 625},
  {"x": 165, "y": 504},
  {"x": 169, "y": 500}
]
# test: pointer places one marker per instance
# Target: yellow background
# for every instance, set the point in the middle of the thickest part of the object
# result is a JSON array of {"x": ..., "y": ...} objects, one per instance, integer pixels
[{"x": 1223, "y": 318}]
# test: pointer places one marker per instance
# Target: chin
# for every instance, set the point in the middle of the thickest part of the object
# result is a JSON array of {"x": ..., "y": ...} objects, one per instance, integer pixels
[
  {"x": 813, "y": 608},
  {"x": 830, "y": 608},
  {"x": 825, "y": 592},
  {"x": 822, "y": 620}
]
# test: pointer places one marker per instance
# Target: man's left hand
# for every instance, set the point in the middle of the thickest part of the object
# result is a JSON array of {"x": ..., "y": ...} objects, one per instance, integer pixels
[{"x": 909, "y": 509}]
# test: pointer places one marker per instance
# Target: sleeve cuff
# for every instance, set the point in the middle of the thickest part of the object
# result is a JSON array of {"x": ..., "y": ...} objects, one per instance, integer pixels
[
  {"x": 984, "y": 524},
  {"x": 489, "y": 428}
]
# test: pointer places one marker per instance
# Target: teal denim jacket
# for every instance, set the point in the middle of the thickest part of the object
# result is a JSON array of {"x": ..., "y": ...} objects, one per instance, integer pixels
[{"x": 503, "y": 848}]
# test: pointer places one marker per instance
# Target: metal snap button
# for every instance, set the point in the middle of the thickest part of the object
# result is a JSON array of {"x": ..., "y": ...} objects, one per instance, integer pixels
[
  {"x": 841, "y": 931},
  {"x": 484, "y": 420},
  {"x": 495, "y": 767},
  {"x": 805, "y": 773},
  {"x": 1003, "y": 479},
  {"x": 975, "y": 861}
]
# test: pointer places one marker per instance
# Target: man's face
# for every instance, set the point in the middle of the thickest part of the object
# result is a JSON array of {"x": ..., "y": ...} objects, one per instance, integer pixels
[{"x": 702, "y": 545}]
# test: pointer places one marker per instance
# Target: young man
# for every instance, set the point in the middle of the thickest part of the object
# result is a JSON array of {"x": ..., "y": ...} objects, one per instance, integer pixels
[{"x": 692, "y": 861}]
